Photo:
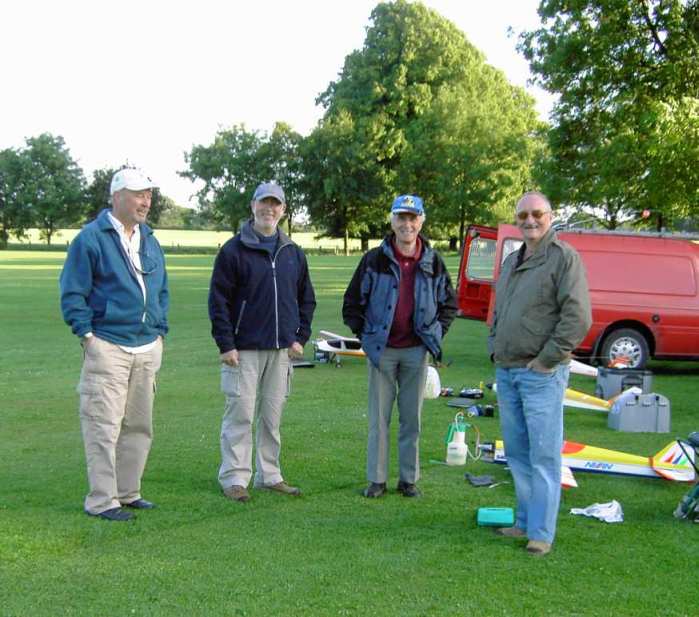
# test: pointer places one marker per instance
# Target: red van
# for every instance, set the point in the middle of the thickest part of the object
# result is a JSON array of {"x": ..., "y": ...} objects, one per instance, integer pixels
[{"x": 644, "y": 289}]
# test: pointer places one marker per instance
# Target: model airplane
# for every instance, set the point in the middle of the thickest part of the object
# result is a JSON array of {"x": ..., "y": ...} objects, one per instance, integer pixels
[
  {"x": 575, "y": 398},
  {"x": 671, "y": 463},
  {"x": 336, "y": 344}
]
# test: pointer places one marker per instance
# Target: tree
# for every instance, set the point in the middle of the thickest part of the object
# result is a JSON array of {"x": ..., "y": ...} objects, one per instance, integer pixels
[
  {"x": 15, "y": 218},
  {"x": 422, "y": 104},
  {"x": 97, "y": 194},
  {"x": 236, "y": 162},
  {"x": 339, "y": 181},
  {"x": 280, "y": 156},
  {"x": 54, "y": 186},
  {"x": 627, "y": 74}
]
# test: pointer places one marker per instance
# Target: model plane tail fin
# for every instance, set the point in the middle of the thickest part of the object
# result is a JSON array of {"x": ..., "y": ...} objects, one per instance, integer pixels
[
  {"x": 567, "y": 478},
  {"x": 674, "y": 462}
]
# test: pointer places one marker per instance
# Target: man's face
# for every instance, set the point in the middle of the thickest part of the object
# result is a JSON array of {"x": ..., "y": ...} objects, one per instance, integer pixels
[
  {"x": 533, "y": 217},
  {"x": 267, "y": 213},
  {"x": 406, "y": 226},
  {"x": 131, "y": 207}
]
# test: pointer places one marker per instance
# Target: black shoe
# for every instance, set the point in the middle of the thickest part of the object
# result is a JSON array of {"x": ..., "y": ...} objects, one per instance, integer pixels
[
  {"x": 114, "y": 514},
  {"x": 140, "y": 504},
  {"x": 408, "y": 490},
  {"x": 375, "y": 489}
]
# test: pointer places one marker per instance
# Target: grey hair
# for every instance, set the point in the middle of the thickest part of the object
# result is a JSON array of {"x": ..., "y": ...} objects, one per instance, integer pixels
[
  {"x": 423, "y": 215},
  {"x": 538, "y": 194}
]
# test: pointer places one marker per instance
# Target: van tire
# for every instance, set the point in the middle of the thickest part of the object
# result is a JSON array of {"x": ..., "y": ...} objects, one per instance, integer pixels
[{"x": 626, "y": 342}]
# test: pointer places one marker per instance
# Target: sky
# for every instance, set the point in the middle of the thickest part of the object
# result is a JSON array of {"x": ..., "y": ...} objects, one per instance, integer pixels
[{"x": 143, "y": 81}]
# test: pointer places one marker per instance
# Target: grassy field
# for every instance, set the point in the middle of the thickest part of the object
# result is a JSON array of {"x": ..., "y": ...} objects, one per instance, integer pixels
[{"x": 331, "y": 552}]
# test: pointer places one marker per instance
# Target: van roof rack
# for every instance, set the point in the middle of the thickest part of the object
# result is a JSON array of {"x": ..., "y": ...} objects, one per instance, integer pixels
[{"x": 670, "y": 235}]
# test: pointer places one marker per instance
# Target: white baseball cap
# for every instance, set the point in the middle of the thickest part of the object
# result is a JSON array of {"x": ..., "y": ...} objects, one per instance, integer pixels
[{"x": 131, "y": 178}]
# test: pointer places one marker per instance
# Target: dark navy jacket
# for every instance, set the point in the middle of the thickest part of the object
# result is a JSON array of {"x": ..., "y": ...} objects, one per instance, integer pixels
[
  {"x": 371, "y": 298},
  {"x": 100, "y": 292},
  {"x": 258, "y": 300}
]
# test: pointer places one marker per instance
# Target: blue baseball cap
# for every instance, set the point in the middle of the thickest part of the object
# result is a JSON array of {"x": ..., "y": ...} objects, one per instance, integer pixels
[
  {"x": 408, "y": 203},
  {"x": 269, "y": 189}
]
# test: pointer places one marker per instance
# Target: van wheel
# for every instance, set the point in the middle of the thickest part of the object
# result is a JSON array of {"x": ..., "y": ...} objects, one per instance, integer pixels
[{"x": 626, "y": 343}]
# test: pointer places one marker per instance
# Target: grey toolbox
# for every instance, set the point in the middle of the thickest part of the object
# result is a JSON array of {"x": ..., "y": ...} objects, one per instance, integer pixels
[
  {"x": 642, "y": 413},
  {"x": 612, "y": 381}
]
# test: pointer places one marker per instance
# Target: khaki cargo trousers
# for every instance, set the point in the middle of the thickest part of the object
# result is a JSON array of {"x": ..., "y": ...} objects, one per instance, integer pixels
[
  {"x": 255, "y": 389},
  {"x": 116, "y": 409}
]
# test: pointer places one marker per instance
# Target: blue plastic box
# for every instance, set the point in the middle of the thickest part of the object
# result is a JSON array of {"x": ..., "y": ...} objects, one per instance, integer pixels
[{"x": 496, "y": 517}]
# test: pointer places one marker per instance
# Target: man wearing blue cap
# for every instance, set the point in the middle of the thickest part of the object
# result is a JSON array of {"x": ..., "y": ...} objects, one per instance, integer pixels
[
  {"x": 261, "y": 304},
  {"x": 400, "y": 303}
]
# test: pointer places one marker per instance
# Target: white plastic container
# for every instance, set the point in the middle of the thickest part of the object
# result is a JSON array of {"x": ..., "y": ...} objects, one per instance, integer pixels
[{"x": 457, "y": 449}]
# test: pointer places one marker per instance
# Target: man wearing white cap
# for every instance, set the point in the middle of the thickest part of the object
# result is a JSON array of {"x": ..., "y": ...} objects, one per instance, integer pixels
[{"x": 114, "y": 296}]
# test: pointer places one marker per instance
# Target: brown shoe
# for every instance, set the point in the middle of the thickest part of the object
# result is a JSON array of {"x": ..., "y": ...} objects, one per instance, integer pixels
[
  {"x": 536, "y": 547},
  {"x": 511, "y": 532},
  {"x": 283, "y": 487},
  {"x": 237, "y": 493}
]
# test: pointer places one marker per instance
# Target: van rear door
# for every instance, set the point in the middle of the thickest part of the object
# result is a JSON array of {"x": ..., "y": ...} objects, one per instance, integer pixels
[{"x": 477, "y": 272}]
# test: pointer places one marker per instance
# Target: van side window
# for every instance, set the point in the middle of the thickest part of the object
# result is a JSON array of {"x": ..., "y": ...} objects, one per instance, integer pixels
[
  {"x": 510, "y": 245},
  {"x": 481, "y": 259}
]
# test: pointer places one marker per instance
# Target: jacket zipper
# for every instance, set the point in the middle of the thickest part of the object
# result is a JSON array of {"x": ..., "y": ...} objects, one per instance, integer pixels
[
  {"x": 276, "y": 297},
  {"x": 240, "y": 317}
]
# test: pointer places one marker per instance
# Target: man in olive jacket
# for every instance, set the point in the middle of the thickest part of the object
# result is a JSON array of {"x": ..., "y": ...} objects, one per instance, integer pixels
[{"x": 542, "y": 313}]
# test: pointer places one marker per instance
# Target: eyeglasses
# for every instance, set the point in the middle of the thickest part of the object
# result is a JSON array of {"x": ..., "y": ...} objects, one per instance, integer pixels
[
  {"x": 148, "y": 264},
  {"x": 522, "y": 215}
]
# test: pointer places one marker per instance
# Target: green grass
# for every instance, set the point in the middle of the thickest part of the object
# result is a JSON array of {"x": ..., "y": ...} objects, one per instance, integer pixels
[{"x": 330, "y": 552}]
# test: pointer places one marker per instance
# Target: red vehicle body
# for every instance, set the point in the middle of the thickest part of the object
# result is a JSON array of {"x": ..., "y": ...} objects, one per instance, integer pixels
[{"x": 644, "y": 289}]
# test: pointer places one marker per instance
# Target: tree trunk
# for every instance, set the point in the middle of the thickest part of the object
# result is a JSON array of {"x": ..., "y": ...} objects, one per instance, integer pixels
[
  {"x": 288, "y": 224},
  {"x": 365, "y": 244},
  {"x": 462, "y": 231},
  {"x": 346, "y": 241},
  {"x": 4, "y": 238},
  {"x": 453, "y": 243}
]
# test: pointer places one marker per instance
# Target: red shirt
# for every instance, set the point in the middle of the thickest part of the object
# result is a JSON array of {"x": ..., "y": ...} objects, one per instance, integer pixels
[{"x": 402, "y": 331}]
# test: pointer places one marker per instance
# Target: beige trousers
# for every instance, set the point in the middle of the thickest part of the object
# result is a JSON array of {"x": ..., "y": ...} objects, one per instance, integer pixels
[
  {"x": 116, "y": 409},
  {"x": 257, "y": 387}
]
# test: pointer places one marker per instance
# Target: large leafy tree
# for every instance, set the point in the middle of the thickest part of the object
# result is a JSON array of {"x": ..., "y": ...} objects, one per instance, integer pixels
[
  {"x": 427, "y": 116},
  {"x": 15, "y": 215},
  {"x": 340, "y": 181},
  {"x": 236, "y": 162},
  {"x": 54, "y": 188},
  {"x": 625, "y": 125}
]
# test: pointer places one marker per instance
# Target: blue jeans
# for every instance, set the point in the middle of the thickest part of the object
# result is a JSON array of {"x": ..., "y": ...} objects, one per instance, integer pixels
[{"x": 531, "y": 419}]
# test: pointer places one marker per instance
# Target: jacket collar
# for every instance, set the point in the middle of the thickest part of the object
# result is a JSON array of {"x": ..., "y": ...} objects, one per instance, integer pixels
[
  {"x": 425, "y": 262},
  {"x": 541, "y": 251}
]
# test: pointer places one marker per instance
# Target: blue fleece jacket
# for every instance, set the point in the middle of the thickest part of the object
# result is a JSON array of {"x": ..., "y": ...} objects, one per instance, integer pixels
[
  {"x": 100, "y": 292},
  {"x": 258, "y": 300}
]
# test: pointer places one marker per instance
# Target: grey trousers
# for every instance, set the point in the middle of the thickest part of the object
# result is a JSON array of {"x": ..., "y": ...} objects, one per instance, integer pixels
[
  {"x": 257, "y": 387},
  {"x": 116, "y": 410},
  {"x": 402, "y": 370}
]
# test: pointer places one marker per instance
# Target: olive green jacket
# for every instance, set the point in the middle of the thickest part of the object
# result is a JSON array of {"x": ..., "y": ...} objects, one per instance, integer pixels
[{"x": 542, "y": 306}]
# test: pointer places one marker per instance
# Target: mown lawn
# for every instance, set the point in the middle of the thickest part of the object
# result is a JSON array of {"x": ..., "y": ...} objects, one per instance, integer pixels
[{"x": 331, "y": 552}]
